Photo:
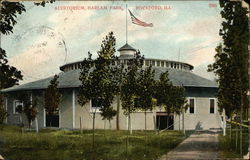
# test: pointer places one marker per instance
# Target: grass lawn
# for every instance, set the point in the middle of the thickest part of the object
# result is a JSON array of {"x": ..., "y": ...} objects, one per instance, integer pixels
[
  {"x": 73, "y": 145},
  {"x": 227, "y": 147}
]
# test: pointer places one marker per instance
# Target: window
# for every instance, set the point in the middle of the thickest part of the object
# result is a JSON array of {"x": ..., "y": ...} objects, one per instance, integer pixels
[
  {"x": 153, "y": 63},
  {"x": 17, "y": 106},
  {"x": 162, "y": 63},
  {"x": 158, "y": 63},
  {"x": 191, "y": 105},
  {"x": 125, "y": 62},
  {"x": 212, "y": 106},
  {"x": 167, "y": 64},
  {"x": 147, "y": 62},
  {"x": 96, "y": 104}
]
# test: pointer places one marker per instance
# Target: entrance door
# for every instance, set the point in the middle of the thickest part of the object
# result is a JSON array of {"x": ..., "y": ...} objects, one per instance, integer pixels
[
  {"x": 52, "y": 120},
  {"x": 163, "y": 121}
]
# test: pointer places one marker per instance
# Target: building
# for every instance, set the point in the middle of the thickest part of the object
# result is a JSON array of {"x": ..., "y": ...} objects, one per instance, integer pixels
[{"x": 201, "y": 95}]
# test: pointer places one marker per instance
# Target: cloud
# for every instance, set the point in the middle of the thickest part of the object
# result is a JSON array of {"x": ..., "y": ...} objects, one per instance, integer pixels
[
  {"x": 84, "y": 30},
  {"x": 41, "y": 58}
]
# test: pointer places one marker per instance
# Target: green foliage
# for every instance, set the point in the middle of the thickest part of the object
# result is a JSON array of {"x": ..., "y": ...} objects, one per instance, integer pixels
[
  {"x": 178, "y": 100},
  {"x": 9, "y": 11},
  {"x": 130, "y": 83},
  {"x": 172, "y": 98},
  {"x": 108, "y": 113},
  {"x": 52, "y": 96},
  {"x": 42, "y": 3},
  {"x": 9, "y": 75},
  {"x": 162, "y": 89},
  {"x": 231, "y": 59},
  {"x": 99, "y": 78},
  {"x": 145, "y": 90},
  {"x": 30, "y": 110}
]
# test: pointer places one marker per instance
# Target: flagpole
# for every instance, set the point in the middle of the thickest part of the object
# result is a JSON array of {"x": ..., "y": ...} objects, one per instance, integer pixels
[{"x": 126, "y": 24}]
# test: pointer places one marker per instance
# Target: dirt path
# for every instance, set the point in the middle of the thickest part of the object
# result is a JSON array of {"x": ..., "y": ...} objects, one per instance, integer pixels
[{"x": 200, "y": 145}]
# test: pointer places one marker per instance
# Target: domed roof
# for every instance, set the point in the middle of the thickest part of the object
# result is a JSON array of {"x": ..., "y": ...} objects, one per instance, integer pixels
[{"x": 126, "y": 47}]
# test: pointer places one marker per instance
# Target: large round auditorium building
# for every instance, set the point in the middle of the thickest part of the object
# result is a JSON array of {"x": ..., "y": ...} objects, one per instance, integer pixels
[{"x": 200, "y": 93}]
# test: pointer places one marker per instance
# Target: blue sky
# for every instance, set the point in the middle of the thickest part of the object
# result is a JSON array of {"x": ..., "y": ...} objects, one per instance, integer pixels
[{"x": 45, "y": 38}]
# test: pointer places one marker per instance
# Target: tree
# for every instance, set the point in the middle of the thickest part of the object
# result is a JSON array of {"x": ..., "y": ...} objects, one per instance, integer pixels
[
  {"x": 52, "y": 96},
  {"x": 97, "y": 78},
  {"x": 172, "y": 98},
  {"x": 162, "y": 91},
  {"x": 232, "y": 60},
  {"x": 108, "y": 113},
  {"x": 118, "y": 78},
  {"x": 129, "y": 86},
  {"x": 232, "y": 57},
  {"x": 179, "y": 102},
  {"x": 146, "y": 83},
  {"x": 30, "y": 110}
]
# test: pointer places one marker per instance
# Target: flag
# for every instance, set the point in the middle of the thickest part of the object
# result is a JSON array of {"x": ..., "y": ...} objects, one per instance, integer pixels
[{"x": 139, "y": 22}]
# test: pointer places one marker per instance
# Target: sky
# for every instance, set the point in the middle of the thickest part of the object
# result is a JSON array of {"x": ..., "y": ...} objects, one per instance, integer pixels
[{"x": 46, "y": 38}]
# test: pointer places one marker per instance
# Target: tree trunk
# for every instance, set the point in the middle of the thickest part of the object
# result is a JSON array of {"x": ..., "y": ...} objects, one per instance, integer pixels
[
  {"x": 93, "y": 136},
  {"x": 159, "y": 122},
  {"x": 21, "y": 122},
  {"x": 236, "y": 142},
  {"x": 81, "y": 124},
  {"x": 249, "y": 118},
  {"x": 167, "y": 121},
  {"x": 109, "y": 124},
  {"x": 118, "y": 113},
  {"x": 36, "y": 125},
  {"x": 145, "y": 120},
  {"x": 241, "y": 121},
  {"x": 20, "y": 119},
  {"x": 183, "y": 123},
  {"x": 105, "y": 124},
  {"x": 130, "y": 126},
  {"x": 179, "y": 122},
  {"x": 230, "y": 129},
  {"x": 224, "y": 123},
  {"x": 29, "y": 121}
]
